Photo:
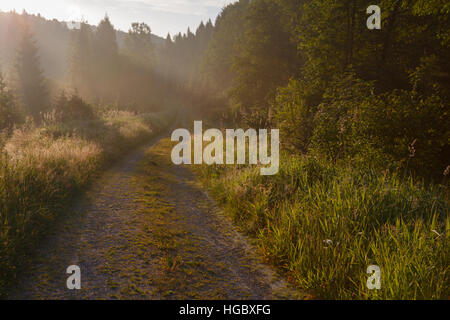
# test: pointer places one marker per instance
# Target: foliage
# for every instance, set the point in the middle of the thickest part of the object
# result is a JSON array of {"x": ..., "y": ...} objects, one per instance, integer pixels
[
  {"x": 324, "y": 224},
  {"x": 334, "y": 122},
  {"x": 31, "y": 84},
  {"x": 138, "y": 45},
  {"x": 73, "y": 108},
  {"x": 401, "y": 127},
  {"x": 294, "y": 117},
  {"x": 9, "y": 114},
  {"x": 363, "y": 116}
]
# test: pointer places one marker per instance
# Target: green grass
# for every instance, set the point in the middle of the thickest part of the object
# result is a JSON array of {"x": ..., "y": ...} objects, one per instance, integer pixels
[
  {"x": 42, "y": 168},
  {"x": 325, "y": 224}
]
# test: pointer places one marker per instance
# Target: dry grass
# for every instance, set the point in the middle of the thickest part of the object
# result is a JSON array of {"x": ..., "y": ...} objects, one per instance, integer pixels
[{"x": 42, "y": 168}]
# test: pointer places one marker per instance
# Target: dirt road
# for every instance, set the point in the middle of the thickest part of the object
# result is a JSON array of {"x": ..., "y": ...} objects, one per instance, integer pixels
[{"x": 146, "y": 230}]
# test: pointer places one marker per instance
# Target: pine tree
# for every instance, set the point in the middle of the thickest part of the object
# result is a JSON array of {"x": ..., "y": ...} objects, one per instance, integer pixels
[
  {"x": 31, "y": 84},
  {"x": 166, "y": 57},
  {"x": 106, "y": 48},
  {"x": 138, "y": 44},
  {"x": 106, "y": 84},
  {"x": 264, "y": 59},
  {"x": 168, "y": 42},
  {"x": 209, "y": 30},
  {"x": 8, "y": 111},
  {"x": 81, "y": 60},
  {"x": 200, "y": 29}
]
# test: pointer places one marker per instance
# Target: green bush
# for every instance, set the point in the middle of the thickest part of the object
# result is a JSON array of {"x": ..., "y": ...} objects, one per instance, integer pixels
[
  {"x": 336, "y": 118},
  {"x": 397, "y": 129},
  {"x": 407, "y": 128},
  {"x": 294, "y": 117},
  {"x": 73, "y": 108}
]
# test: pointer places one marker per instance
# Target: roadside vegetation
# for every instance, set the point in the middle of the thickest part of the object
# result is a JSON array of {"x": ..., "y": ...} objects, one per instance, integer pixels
[
  {"x": 364, "y": 124},
  {"x": 43, "y": 167},
  {"x": 324, "y": 224}
]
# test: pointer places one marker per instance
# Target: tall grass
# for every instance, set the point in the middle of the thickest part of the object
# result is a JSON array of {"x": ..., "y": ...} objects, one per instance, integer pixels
[
  {"x": 42, "y": 168},
  {"x": 325, "y": 224}
]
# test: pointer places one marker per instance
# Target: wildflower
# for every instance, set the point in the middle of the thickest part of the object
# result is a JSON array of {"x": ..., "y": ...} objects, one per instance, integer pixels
[
  {"x": 447, "y": 171},
  {"x": 412, "y": 149},
  {"x": 328, "y": 241}
]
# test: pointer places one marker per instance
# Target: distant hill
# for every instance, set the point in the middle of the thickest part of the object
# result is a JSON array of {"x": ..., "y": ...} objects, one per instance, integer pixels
[{"x": 52, "y": 36}]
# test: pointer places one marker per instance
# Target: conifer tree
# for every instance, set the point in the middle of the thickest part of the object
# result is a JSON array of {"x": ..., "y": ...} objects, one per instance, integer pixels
[
  {"x": 8, "y": 112},
  {"x": 31, "y": 84},
  {"x": 105, "y": 41},
  {"x": 138, "y": 44},
  {"x": 106, "y": 82},
  {"x": 81, "y": 60}
]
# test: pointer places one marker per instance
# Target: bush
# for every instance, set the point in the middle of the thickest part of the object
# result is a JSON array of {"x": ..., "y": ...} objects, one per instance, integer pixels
[
  {"x": 334, "y": 123},
  {"x": 294, "y": 117},
  {"x": 407, "y": 128},
  {"x": 73, "y": 108},
  {"x": 397, "y": 129}
]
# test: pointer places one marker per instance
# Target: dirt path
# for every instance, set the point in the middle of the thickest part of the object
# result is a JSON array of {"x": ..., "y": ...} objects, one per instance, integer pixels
[{"x": 146, "y": 230}]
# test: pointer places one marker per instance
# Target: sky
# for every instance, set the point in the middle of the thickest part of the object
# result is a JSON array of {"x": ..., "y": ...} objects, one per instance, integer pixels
[{"x": 162, "y": 16}]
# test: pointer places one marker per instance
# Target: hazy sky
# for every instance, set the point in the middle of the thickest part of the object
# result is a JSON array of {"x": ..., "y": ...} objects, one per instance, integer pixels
[{"x": 162, "y": 15}]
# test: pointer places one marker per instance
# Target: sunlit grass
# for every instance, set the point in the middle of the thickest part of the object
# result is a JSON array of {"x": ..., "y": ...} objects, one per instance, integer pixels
[
  {"x": 324, "y": 225},
  {"x": 42, "y": 168}
]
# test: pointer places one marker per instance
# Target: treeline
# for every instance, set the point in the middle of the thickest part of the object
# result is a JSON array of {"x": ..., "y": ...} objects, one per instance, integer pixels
[
  {"x": 179, "y": 61},
  {"x": 128, "y": 76},
  {"x": 311, "y": 68},
  {"x": 98, "y": 72},
  {"x": 52, "y": 37},
  {"x": 334, "y": 87}
]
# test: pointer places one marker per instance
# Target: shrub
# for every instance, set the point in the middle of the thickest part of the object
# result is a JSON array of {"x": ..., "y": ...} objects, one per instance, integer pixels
[
  {"x": 73, "y": 108},
  {"x": 294, "y": 117},
  {"x": 400, "y": 128},
  {"x": 334, "y": 122},
  {"x": 407, "y": 128}
]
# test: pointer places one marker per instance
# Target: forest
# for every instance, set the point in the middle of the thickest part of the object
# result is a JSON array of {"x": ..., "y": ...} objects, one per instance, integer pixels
[{"x": 364, "y": 120}]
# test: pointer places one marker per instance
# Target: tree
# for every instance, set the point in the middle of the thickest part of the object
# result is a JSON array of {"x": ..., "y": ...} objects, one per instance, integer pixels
[
  {"x": 105, "y": 42},
  {"x": 31, "y": 84},
  {"x": 218, "y": 60},
  {"x": 8, "y": 112},
  {"x": 81, "y": 60},
  {"x": 138, "y": 45},
  {"x": 265, "y": 59},
  {"x": 107, "y": 64},
  {"x": 165, "y": 57}
]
